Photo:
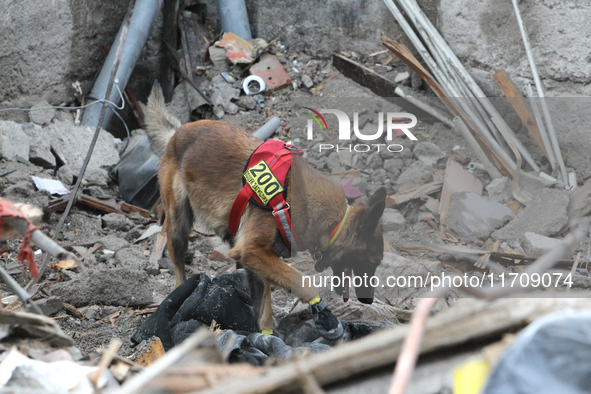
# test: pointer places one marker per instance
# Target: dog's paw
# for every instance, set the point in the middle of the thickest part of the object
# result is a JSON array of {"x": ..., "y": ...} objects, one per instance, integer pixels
[{"x": 328, "y": 326}]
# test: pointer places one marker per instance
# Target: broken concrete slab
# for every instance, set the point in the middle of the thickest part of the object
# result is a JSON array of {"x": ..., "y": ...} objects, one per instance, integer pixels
[
  {"x": 222, "y": 93},
  {"x": 40, "y": 147},
  {"x": 536, "y": 245},
  {"x": 117, "y": 287},
  {"x": 428, "y": 153},
  {"x": 41, "y": 114},
  {"x": 546, "y": 214},
  {"x": 115, "y": 221},
  {"x": 392, "y": 220},
  {"x": 50, "y": 305},
  {"x": 14, "y": 143},
  {"x": 499, "y": 190},
  {"x": 70, "y": 143},
  {"x": 131, "y": 257},
  {"x": 472, "y": 217},
  {"x": 418, "y": 169},
  {"x": 114, "y": 243}
]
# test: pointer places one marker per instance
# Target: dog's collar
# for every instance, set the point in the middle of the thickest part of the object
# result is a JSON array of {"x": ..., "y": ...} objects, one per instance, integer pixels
[{"x": 333, "y": 235}]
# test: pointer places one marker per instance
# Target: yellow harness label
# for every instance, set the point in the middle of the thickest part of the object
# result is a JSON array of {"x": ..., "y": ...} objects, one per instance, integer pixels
[{"x": 261, "y": 180}]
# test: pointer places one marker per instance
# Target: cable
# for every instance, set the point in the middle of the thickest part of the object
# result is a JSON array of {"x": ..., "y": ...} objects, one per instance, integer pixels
[{"x": 73, "y": 108}]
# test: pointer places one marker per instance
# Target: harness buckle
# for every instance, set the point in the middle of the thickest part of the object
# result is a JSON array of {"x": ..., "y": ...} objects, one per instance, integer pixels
[{"x": 317, "y": 256}]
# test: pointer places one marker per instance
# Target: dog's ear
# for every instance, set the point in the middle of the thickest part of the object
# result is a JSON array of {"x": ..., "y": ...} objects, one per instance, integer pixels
[{"x": 377, "y": 204}]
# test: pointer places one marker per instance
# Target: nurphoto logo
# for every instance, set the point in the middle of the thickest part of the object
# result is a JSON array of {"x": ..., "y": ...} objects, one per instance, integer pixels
[{"x": 394, "y": 121}]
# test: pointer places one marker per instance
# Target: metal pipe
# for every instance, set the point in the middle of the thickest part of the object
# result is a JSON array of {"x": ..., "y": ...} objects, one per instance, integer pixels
[
  {"x": 18, "y": 290},
  {"x": 449, "y": 91},
  {"x": 434, "y": 112},
  {"x": 267, "y": 130},
  {"x": 144, "y": 13},
  {"x": 541, "y": 127},
  {"x": 234, "y": 18},
  {"x": 463, "y": 129},
  {"x": 546, "y": 112},
  {"x": 413, "y": 10}
]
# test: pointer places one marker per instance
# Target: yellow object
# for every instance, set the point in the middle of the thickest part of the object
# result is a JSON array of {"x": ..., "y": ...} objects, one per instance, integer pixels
[
  {"x": 261, "y": 180},
  {"x": 469, "y": 378},
  {"x": 314, "y": 301},
  {"x": 267, "y": 332},
  {"x": 153, "y": 353}
]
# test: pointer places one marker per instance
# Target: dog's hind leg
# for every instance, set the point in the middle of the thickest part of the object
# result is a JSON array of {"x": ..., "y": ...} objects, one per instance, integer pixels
[{"x": 178, "y": 223}]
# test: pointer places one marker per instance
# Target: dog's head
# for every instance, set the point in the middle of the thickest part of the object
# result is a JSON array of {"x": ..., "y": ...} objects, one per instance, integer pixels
[{"x": 359, "y": 249}]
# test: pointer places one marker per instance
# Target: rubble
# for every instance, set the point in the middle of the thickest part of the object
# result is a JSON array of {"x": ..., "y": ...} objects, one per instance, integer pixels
[
  {"x": 472, "y": 217},
  {"x": 116, "y": 286},
  {"x": 428, "y": 153},
  {"x": 42, "y": 113},
  {"x": 499, "y": 190},
  {"x": 115, "y": 221},
  {"x": 552, "y": 203},
  {"x": 14, "y": 143},
  {"x": 392, "y": 220},
  {"x": 536, "y": 245}
]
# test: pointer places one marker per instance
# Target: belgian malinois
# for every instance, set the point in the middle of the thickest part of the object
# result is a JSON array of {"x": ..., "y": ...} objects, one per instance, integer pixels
[{"x": 200, "y": 175}]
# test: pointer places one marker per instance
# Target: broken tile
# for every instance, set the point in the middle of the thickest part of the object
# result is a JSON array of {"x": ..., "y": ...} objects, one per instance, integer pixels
[{"x": 271, "y": 70}]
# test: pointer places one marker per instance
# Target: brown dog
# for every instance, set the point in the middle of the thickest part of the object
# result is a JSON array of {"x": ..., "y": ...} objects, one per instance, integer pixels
[{"x": 200, "y": 175}]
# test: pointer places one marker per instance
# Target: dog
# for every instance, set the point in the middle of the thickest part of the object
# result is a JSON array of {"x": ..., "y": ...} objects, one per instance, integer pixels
[{"x": 200, "y": 175}]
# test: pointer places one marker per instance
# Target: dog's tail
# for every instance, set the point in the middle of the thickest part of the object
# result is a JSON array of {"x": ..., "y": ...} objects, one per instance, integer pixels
[{"x": 160, "y": 125}]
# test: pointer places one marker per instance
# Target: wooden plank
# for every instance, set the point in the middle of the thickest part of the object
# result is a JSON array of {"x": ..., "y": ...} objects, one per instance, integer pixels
[
  {"x": 125, "y": 207},
  {"x": 101, "y": 206},
  {"x": 520, "y": 107},
  {"x": 469, "y": 320}
]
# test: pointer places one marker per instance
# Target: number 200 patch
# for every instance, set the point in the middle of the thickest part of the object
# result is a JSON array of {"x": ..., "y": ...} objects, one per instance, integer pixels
[{"x": 261, "y": 180}]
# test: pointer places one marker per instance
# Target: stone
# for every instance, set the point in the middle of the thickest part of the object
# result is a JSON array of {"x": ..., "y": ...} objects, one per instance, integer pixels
[
  {"x": 307, "y": 81},
  {"x": 14, "y": 143},
  {"x": 218, "y": 111},
  {"x": 95, "y": 176},
  {"x": 472, "y": 217},
  {"x": 392, "y": 220},
  {"x": 93, "y": 312},
  {"x": 50, "y": 305},
  {"x": 401, "y": 77},
  {"x": 536, "y": 245},
  {"x": 247, "y": 102},
  {"x": 546, "y": 214},
  {"x": 132, "y": 256},
  {"x": 115, "y": 221},
  {"x": 428, "y": 153},
  {"x": 113, "y": 242},
  {"x": 223, "y": 93},
  {"x": 70, "y": 144},
  {"x": 40, "y": 114},
  {"x": 230, "y": 108},
  {"x": 499, "y": 190},
  {"x": 66, "y": 175},
  {"x": 117, "y": 287},
  {"x": 220, "y": 253},
  {"x": 40, "y": 148},
  {"x": 418, "y": 169}
]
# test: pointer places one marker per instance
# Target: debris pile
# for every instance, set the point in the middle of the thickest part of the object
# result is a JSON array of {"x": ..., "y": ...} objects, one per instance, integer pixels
[{"x": 470, "y": 198}]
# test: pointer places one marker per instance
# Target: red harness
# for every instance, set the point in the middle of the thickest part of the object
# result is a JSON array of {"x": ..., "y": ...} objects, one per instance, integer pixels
[{"x": 264, "y": 180}]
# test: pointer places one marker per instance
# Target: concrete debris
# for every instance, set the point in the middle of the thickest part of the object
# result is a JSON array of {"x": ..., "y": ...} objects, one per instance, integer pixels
[
  {"x": 472, "y": 217},
  {"x": 40, "y": 149},
  {"x": 14, "y": 143},
  {"x": 42, "y": 116},
  {"x": 50, "y": 305},
  {"x": 117, "y": 287},
  {"x": 223, "y": 93},
  {"x": 456, "y": 179},
  {"x": 307, "y": 81},
  {"x": 392, "y": 220},
  {"x": 499, "y": 190},
  {"x": 113, "y": 242},
  {"x": 428, "y": 153},
  {"x": 115, "y": 221},
  {"x": 536, "y": 245},
  {"x": 401, "y": 77},
  {"x": 546, "y": 214},
  {"x": 419, "y": 171},
  {"x": 247, "y": 102}
]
